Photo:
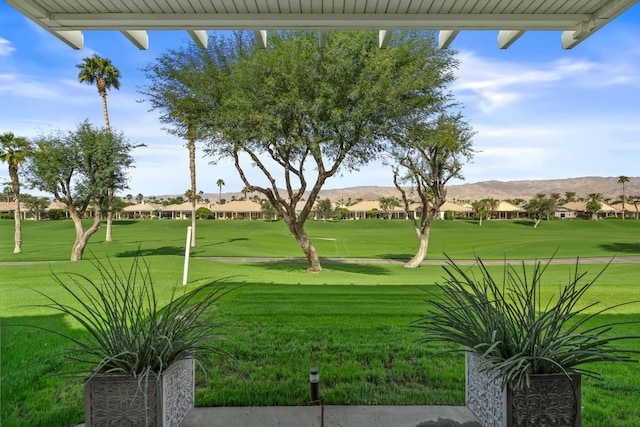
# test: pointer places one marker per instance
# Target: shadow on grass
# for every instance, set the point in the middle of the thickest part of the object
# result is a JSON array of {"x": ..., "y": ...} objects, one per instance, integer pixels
[
  {"x": 239, "y": 239},
  {"x": 124, "y": 222},
  {"x": 526, "y": 222},
  {"x": 622, "y": 248},
  {"x": 348, "y": 267},
  {"x": 398, "y": 257},
  {"x": 300, "y": 265},
  {"x": 163, "y": 250}
]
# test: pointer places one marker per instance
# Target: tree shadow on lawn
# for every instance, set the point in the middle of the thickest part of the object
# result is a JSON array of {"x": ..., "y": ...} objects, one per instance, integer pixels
[
  {"x": 163, "y": 250},
  {"x": 300, "y": 264},
  {"x": 622, "y": 248},
  {"x": 526, "y": 222},
  {"x": 238, "y": 239},
  {"x": 396, "y": 257},
  {"x": 124, "y": 222}
]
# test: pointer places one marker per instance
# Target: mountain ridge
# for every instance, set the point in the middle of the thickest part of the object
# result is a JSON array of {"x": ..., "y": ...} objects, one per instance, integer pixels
[{"x": 501, "y": 190}]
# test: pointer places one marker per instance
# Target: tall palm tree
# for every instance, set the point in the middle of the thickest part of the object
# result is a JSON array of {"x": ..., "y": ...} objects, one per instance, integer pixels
[
  {"x": 623, "y": 180},
  {"x": 14, "y": 151},
  {"x": 101, "y": 72},
  {"x": 220, "y": 184}
]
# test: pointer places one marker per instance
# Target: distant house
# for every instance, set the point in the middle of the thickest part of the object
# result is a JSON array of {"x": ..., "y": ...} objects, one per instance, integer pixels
[
  {"x": 140, "y": 211},
  {"x": 630, "y": 209},
  {"x": 8, "y": 208},
  {"x": 580, "y": 208},
  {"x": 563, "y": 212},
  {"x": 456, "y": 209},
  {"x": 179, "y": 210},
  {"x": 364, "y": 210},
  {"x": 506, "y": 210},
  {"x": 238, "y": 209}
]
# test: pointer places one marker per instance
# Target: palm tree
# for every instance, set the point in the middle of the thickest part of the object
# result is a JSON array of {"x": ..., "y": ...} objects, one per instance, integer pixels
[
  {"x": 594, "y": 204},
  {"x": 14, "y": 151},
  {"x": 139, "y": 198},
  {"x": 220, "y": 184},
  {"x": 570, "y": 196},
  {"x": 101, "y": 72},
  {"x": 623, "y": 180}
]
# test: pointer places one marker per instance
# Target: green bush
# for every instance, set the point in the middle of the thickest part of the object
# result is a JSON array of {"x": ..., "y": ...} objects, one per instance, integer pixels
[
  {"x": 55, "y": 214},
  {"x": 128, "y": 332},
  {"x": 514, "y": 330}
]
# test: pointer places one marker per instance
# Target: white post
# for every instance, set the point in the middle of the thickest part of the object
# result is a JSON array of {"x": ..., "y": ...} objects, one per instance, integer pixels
[{"x": 186, "y": 257}]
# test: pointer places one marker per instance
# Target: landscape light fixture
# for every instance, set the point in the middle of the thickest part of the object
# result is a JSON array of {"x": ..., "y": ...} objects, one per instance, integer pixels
[{"x": 314, "y": 384}]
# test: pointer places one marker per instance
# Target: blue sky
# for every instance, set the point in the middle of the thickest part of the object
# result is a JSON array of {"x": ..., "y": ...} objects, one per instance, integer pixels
[{"x": 540, "y": 112}]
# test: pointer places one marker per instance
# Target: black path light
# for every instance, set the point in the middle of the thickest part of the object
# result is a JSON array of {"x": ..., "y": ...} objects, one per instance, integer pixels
[{"x": 314, "y": 384}]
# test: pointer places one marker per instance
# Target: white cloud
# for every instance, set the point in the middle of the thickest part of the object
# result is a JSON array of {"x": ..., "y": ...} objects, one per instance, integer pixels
[
  {"x": 5, "y": 47},
  {"x": 27, "y": 87},
  {"x": 493, "y": 85}
]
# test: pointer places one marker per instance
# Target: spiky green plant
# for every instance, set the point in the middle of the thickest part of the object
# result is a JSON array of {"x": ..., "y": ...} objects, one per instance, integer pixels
[
  {"x": 514, "y": 330},
  {"x": 128, "y": 331}
]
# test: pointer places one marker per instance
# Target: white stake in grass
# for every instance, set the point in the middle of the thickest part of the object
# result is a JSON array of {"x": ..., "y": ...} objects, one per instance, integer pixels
[{"x": 186, "y": 257}]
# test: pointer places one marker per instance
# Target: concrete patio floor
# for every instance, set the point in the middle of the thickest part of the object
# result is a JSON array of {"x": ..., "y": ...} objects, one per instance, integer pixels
[{"x": 332, "y": 416}]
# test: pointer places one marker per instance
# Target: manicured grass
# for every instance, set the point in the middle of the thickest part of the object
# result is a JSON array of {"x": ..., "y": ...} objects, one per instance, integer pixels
[
  {"x": 351, "y": 320},
  {"x": 51, "y": 240}
]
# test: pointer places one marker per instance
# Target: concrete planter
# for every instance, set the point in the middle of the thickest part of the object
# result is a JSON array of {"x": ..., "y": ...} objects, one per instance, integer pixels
[
  {"x": 550, "y": 400},
  {"x": 124, "y": 400}
]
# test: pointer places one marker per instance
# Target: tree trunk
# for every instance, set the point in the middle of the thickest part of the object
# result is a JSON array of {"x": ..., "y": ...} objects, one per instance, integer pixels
[
  {"x": 109, "y": 238},
  {"x": 306, "y": 246},
  {"x": 192, "y": 169},
  {"x": 82, "y": 237},
  {"x": 535, "y": 225},
  {"x": 18, "y": 227},
  {"x": 480, "y": 222},
  {"x": 105, "y": 111},
  {"x": 422, "y": 249}
]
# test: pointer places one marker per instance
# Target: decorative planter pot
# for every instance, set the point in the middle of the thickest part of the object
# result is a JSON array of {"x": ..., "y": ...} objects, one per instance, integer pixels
[
  {"x": 550, "y": 400},
  {"x": 157, "y": 401}
]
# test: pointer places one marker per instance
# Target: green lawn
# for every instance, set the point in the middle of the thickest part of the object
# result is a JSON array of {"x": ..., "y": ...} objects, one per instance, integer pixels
[
  {"x": 350, "y": 320},
  {"x": 51, "y": 240}
]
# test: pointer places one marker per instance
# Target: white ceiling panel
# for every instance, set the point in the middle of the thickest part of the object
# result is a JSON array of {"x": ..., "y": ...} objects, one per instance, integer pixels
[{"x": 575, "y": 19}]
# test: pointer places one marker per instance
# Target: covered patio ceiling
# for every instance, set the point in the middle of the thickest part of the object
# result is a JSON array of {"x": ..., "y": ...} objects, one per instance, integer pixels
[{"x": 575, "y": 19}]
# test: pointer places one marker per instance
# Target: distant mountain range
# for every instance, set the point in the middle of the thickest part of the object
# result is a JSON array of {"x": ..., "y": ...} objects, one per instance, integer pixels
[{"x": 501, "y": 190}]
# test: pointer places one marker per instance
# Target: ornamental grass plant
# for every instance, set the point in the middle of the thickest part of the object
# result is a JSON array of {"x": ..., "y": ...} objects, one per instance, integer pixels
[
  {"x": 516, "y": 332},
  {"x": 129, "y": 331}
]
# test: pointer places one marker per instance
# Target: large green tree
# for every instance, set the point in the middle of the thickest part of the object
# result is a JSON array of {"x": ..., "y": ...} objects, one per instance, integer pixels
[
  {"x": 101, "y": 72},
  {"x": 426, "y": 158},
  {"x": 183, "y": 87},
  {"x": 483, "y": 208},
  {"x": 36, "y": 205},
  {"x": 388, "y": 204},
  {"x": 14, "y": 151},
  {"x": 540, "y": 207},
  {"x": 294, "y": 115},
  {"x": 78, "y": 168}
]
